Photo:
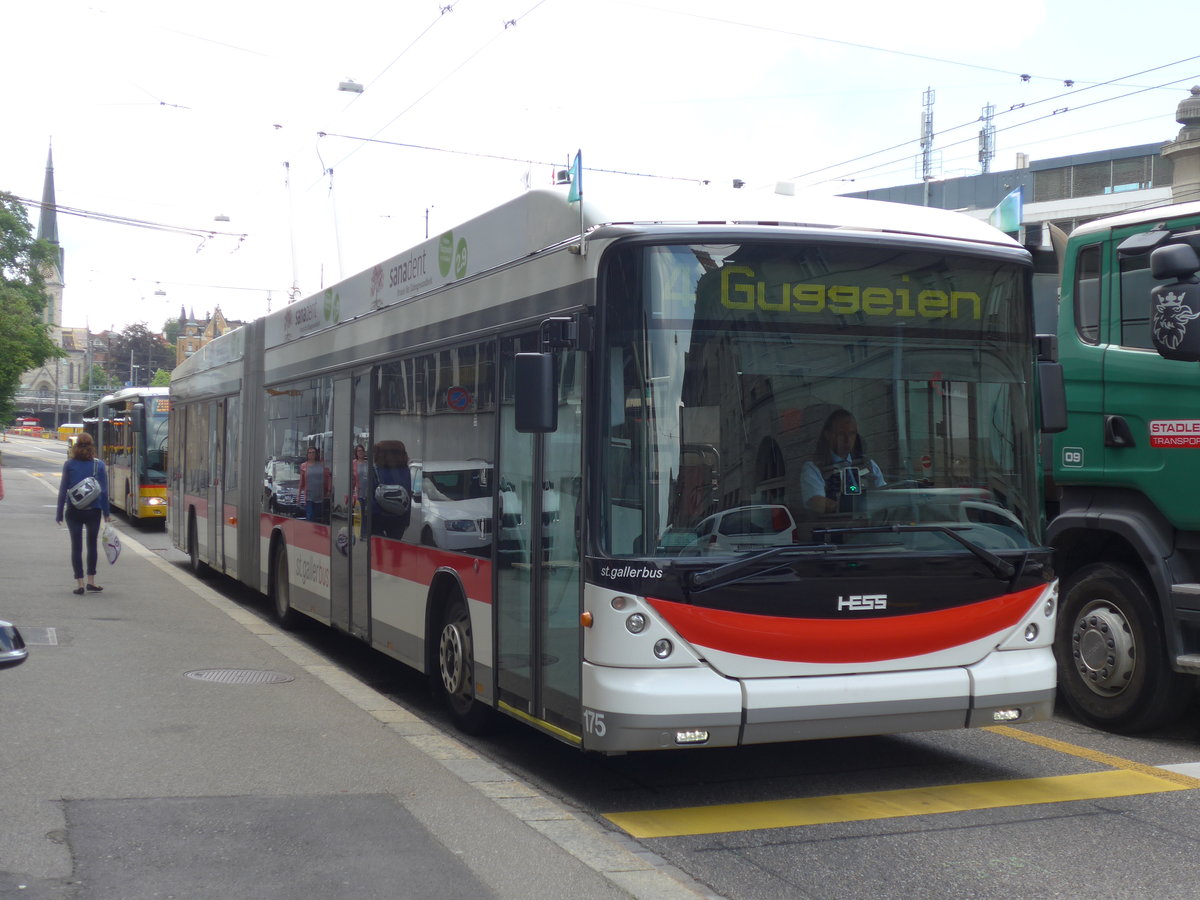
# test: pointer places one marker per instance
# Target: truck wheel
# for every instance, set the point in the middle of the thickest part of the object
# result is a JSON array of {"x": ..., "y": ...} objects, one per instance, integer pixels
[
  {"x": 1113, "y": 669},
  {"x": 456, "y": 668}
]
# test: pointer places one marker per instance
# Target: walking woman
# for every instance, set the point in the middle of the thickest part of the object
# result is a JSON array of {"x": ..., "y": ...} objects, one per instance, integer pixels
[{"x": 81, "y": 464}]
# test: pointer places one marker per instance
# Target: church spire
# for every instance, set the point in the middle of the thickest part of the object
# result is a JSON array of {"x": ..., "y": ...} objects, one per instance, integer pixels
[
  {"x": 48, "y": 222},
  {"x": 48, "y": 231}
]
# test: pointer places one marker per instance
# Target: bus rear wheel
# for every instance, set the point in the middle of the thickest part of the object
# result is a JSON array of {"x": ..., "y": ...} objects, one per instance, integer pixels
[
  {"x": 456, "y": 668},
  {"x": 1113, "y": 669},
  {"x": 198, "y": 567},
  {"x": 281, "y": 596}
]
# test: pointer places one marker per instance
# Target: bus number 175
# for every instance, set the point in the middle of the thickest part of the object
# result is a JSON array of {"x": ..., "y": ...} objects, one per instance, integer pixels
[{"x": 593, "y": 722}]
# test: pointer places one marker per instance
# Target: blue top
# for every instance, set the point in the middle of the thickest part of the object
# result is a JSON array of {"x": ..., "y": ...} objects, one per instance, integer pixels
[{"x": 74, "y": 471}]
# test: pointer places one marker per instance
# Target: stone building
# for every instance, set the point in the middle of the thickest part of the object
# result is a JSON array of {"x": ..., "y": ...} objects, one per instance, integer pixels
[{"x": 195, "y": 333}]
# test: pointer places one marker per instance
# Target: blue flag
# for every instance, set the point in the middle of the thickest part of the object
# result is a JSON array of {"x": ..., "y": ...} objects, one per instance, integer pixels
[
  {"x": 576, "y": 191},
  {"x": 1007, "y": 214}
]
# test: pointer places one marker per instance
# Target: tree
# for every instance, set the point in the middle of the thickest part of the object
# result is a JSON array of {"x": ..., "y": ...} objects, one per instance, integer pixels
[
  {"x": 25, "y": 341},
  {"x": 136, "y": 352},
  {"x": 162, "y": 378},
  {"x": 97, "y": 379}
]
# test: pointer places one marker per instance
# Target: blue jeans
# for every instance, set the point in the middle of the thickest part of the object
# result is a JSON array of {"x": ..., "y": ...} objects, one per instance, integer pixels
[{"x": 77, "y": 520}]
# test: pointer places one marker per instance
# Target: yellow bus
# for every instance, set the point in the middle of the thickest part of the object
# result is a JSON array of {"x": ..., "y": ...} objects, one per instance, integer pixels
[
  {"x": 130, "y": 430},
  {"x": 68, "y": 432}
]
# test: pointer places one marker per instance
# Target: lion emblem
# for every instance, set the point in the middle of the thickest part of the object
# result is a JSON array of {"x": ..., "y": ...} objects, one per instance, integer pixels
[{"x": 1171, "y": 316}]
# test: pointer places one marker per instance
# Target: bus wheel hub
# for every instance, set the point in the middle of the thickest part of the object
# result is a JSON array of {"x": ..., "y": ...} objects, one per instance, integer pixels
[{"x": 451, "y": 656}]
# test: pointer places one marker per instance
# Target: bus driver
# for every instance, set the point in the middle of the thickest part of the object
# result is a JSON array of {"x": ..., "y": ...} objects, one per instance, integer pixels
[{"x": 838, "y": 467}]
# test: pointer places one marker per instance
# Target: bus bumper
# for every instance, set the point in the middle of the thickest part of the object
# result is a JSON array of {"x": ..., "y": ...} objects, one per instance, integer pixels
[{"x": 654, "y": 709}]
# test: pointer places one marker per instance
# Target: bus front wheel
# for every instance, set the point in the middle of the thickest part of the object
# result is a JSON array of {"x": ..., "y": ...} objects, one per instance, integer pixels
[{"x": 456, "y": 667}]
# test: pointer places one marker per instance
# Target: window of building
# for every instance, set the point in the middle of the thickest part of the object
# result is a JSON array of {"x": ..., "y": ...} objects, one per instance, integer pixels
[{"x": 1100, "y": 178}]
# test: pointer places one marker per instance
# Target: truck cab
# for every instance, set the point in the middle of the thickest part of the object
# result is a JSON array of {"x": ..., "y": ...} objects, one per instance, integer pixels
[{"x": 1126, "y": 529}]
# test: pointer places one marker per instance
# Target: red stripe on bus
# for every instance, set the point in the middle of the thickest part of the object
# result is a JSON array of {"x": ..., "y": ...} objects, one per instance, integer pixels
[
  {"x": 411, "y": 562},
  {"x": 418, "y": 563},
  {"x": 201, "y": 504},
  {"x": 845, "y": 640},
  {"x": 298, "y": 533}
]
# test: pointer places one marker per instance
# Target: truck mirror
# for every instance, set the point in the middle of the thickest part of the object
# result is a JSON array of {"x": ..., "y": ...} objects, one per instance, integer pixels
[
  {"x": 536, "y": 409},
  {"x": 1173, "y": 306},
  {"x": 1053, "y": 394}
]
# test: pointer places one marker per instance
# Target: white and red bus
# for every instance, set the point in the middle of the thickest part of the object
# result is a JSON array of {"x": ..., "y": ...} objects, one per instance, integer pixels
[
  {"x": 130, "y": 431},
  {"x": 554, "y": 459}
]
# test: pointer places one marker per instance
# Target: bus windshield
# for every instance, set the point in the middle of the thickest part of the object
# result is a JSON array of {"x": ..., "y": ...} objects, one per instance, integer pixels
[
  {"x": 157, "y": 414},
  {"x": 764, "y": 394}
]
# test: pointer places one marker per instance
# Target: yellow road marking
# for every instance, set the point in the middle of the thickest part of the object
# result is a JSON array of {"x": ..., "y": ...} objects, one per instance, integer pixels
[
  {"x": 1096, "y": 756},
  {"x": 1125, "y": 779},
  {"x": 890, "y": 804}
]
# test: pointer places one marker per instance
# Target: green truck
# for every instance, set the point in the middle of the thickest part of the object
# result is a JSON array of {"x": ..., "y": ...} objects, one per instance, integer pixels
[{"x": 1125, "y": 494}]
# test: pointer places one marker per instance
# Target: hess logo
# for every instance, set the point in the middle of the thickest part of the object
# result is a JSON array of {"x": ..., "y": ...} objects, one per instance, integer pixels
[{"x": 858, "y": 602}]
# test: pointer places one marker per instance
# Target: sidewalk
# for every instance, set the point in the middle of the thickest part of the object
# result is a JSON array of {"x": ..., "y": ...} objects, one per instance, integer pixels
[{"x": 125, "y": 777}]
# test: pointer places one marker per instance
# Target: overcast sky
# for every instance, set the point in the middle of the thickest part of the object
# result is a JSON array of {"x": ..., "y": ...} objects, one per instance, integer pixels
[{"x": 176, "y": 114}]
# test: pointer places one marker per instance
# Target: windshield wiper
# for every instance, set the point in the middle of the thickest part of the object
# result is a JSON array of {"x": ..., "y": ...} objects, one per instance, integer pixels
[
  {"x": 731, "y": 570},
  {"x": 1002, "y": 568}
]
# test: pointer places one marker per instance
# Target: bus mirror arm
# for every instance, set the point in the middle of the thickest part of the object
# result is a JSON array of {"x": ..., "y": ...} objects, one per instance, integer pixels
[{"x": 566, "y": 333}]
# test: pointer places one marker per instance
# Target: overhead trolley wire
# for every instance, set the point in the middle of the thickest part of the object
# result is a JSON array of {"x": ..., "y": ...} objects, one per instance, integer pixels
[{"x": 1014, "y": 109}]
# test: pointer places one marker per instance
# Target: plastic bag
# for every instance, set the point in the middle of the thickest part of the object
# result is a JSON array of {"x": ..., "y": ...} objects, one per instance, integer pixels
[{"x": 112, "y": 542}]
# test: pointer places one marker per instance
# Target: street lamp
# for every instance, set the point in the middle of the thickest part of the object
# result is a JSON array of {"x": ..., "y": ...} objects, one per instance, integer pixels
[{"x": 133, "y": 370}]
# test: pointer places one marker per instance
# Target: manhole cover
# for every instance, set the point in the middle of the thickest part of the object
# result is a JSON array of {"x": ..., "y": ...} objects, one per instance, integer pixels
[{"x": 240, "y": 676}]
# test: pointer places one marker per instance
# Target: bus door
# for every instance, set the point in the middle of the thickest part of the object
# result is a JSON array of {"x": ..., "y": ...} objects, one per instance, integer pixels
[
  {"x": 348, "y": 527},
  {"x": 538, "y": 585},
  {"x": 176, "y": 521},
  {"x": 216, "y": 488}
]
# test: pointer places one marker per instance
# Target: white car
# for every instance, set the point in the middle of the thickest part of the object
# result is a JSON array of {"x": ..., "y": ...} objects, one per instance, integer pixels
[
  {"x": 746, "y": 528},
  {"x": 455, "y": 502}
]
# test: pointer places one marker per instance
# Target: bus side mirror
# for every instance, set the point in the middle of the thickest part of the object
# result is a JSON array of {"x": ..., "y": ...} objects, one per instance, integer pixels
[
  {"x": 536, "y": 406},
  {"x": 1174, "y": 306}
]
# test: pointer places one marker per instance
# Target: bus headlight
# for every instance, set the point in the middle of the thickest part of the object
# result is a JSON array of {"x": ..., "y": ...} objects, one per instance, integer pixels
[
  {"x": 636, "y": 623},
  {"x": 663, "y": 648}
]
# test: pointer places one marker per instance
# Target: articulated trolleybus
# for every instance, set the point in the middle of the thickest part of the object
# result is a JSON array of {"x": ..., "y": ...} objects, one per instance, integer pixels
[
  {"x": 130, "y": 431},
  {"x": 575, "y": 465}
]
